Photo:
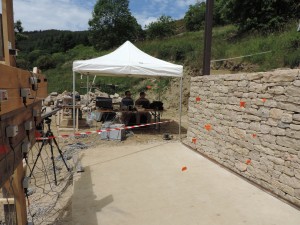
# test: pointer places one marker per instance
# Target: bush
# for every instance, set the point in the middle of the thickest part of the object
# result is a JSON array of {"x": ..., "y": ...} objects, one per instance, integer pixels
[
  {"x": 163, "y": 27},
  {"x": 45, "y": 62}
]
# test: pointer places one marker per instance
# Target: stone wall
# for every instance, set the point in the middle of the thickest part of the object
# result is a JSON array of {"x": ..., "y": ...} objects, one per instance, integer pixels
[{"x": 250, "y": 123}]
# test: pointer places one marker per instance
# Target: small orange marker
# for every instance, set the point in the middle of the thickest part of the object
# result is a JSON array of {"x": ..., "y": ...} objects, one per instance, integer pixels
[
  {"x": 248, "y": 161},
  {"x": 198, "y": 99},
  {"x": 207, "y": 127},
  {"x": 254, "y": 135},
  {"x": 242, "y": 104},
  {"x": 183, "y": 168},
  {"x": 264, "y": 99},
  {"x": 194, "y": 140},
  {"x": 149, "y": 87}
]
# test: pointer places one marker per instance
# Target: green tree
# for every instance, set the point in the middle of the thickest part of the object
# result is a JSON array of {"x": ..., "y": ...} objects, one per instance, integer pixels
[
  {"x": 195, "y": 16},
  {"x": 163, "y": 27},
  {"x": 19, "y": 32},
  {"x": 265, "y": 16},
  {"x": 112, "y": 24},
  {"x": 45, "y": 62}
]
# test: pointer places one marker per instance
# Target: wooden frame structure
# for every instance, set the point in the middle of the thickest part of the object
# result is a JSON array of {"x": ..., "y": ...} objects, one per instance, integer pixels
[{"x": 16, "y": 111}]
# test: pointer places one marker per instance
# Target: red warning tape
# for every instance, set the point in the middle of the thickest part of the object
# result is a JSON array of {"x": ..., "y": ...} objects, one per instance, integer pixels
[{"x": 100, "y": 131}]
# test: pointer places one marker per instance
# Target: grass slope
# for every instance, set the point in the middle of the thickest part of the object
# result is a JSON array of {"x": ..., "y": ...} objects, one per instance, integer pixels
[{"x": 187, "y": 49}]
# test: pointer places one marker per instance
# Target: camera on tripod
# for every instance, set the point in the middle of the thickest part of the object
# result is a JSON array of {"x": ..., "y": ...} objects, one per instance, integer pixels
[{"x": 48, "y": 138}]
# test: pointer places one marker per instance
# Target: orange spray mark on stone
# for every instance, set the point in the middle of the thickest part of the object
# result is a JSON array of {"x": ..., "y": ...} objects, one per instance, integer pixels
[
  {"x": 242, "y": 104},
  {"x": 208, "y": 127}
]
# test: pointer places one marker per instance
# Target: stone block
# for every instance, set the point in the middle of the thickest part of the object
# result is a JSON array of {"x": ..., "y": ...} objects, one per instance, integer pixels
[
  {"x": 286, "y": 118},
  {"x": 288, "y": 142},
  {"x": 277, "y": 161},
  {"x": 263, "y": 112},
  {"x": 297, "y": 173},
  {"x": 295, "y": 127},
  {"x": 290, "y": 181},
  {"x": 296, "y": 117},
  {"x": 243, "y": 83},
  {"x": 279, "y": 77},
  {"x": 277, "y": 131},
  {"x": 254, "y": 76},
  {"x": 237, "y": 133},
  {"x": 254, "y": 126},
  {"x": 270, "y": 103},
  {"x": 293, "y": 91},
  {"x": 293, "y": 134},
  {"x": 296, "y": 83},
  {"x": 285, "y": 188},
  {"x": 265, "y": 150},
  {"x": 265, "y": 129},
  {"x": 272, "y": 122},
  {"x": 268, "y": 138},
  {"x": 288, "y": 106},
  {"x": 297, "y": 193},
  {"x": 276, "y": 113},
  {"x": 277, "y": 90},
  {"x": 283, "y": 125},
  {"x": 241, "y": 166}
]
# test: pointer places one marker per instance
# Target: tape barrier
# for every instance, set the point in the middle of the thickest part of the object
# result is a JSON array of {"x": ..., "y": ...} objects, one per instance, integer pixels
[{"x": 100, "y": 131}]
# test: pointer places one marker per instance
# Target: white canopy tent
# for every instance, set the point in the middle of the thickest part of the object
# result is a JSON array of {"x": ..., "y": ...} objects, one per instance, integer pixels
[{"x": 128, "y": 61}]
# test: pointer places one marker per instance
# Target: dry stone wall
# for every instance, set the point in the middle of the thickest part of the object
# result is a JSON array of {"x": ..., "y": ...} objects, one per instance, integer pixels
[{"x": 250, "y": 123}]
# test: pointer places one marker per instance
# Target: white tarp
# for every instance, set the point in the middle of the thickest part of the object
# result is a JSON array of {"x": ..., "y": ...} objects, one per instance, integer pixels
[{"x": 127, "y": 60}]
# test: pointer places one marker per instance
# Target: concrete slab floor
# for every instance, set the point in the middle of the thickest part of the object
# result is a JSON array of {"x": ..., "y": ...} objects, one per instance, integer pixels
[{"x": 145, "y": 185}]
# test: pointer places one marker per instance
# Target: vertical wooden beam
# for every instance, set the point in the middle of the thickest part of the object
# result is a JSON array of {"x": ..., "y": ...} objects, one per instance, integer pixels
[
  {"x": 1, "y": 40},
  {"x": 19, "y": 195},
  {"x": 8, "y": 31},
  {"x": 15, "y": 214},
  {"x": 16, "y": 190}
]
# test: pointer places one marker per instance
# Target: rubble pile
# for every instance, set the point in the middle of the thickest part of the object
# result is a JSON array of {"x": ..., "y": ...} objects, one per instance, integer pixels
[{"x": 86, "y": 101}]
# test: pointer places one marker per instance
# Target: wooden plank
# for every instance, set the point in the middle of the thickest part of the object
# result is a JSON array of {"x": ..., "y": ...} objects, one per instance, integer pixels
[
  {"x": 8, "y": 30},
  {"x": 12, "y": 77},
  {"x": 12, "y": 80},
  {"x": 7, "y": 201}
]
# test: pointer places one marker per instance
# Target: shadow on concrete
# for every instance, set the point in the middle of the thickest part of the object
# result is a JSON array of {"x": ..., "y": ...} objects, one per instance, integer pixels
[
  {"x": 171, "y": 128},
  {"x": 132, "y": 153},
  {"x": 84, "y": 204}
]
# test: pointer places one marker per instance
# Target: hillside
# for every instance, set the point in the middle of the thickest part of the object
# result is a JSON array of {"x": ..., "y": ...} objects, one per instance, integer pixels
[{"x": 184, "y": 48}]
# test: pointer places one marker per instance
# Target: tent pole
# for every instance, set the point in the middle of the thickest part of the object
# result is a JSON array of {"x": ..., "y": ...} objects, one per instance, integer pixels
[
  {"x": 180, "y": 108},
  {"x": 87, "y": 89},
  {"x": 74, "y": 125}
]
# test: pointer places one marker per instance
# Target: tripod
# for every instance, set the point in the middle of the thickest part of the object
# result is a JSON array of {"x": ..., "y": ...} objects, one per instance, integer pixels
[{"x": 50, "y": 141}]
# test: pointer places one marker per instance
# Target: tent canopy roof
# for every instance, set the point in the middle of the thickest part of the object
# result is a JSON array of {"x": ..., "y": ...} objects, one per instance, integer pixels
[{"x": 127, "y": 60}]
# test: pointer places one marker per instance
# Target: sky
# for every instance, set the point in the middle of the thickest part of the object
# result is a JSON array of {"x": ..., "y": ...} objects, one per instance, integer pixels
[{"x": 74, "y": 14}]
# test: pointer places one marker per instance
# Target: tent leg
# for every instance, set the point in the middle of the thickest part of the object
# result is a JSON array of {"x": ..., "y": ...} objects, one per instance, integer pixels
[
  {"x": 87, "y": 89},
  {"x": 180, "y": 108},
  {"x": 74, "y": 119}
]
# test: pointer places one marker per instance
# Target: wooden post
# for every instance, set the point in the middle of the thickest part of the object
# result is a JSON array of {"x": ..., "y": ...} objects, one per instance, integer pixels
[
  {"x": 15, "y": 189},
  {"x": 8, "y": 31}
]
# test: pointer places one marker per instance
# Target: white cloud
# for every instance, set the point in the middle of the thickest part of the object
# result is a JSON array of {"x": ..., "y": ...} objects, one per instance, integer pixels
[
  {"x": 51, "y": 14},
  {"x": 144, "y": 19},
  {"x": 185, "y": 3}
]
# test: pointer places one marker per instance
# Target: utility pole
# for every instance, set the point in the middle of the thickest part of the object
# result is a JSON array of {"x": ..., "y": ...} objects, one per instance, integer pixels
[{"x": 208, "y": 37}]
